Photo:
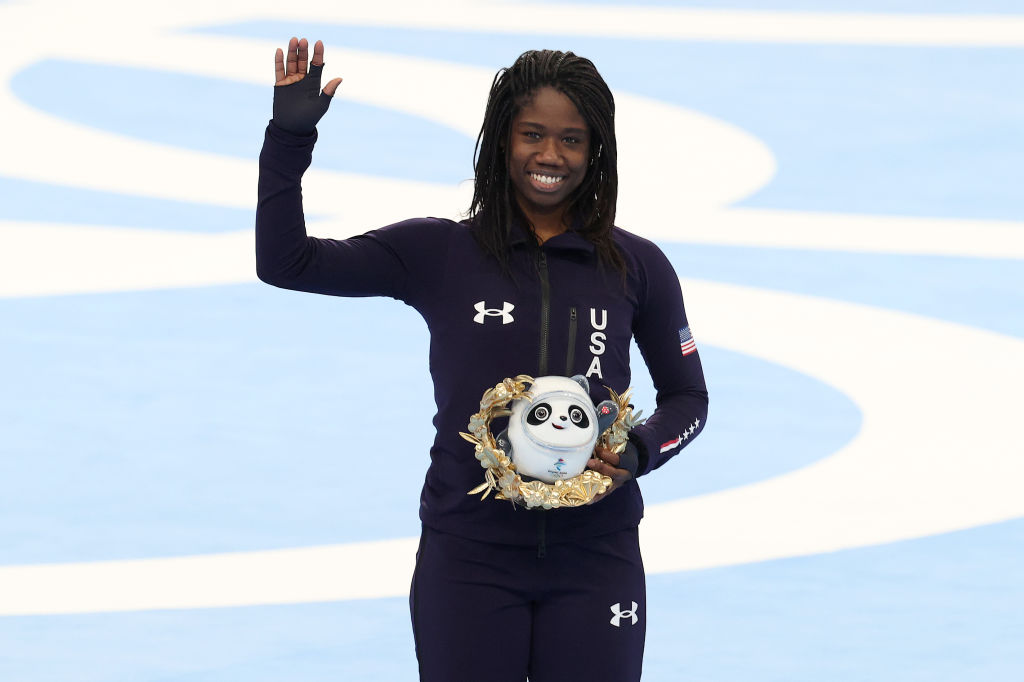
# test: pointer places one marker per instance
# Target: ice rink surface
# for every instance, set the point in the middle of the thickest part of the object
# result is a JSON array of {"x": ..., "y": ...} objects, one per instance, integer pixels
[{"x": 836, "y": 183}]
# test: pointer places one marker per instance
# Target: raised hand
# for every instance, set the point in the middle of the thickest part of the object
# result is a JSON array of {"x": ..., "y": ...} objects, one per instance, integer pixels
[{"x": 299, "y": 103}]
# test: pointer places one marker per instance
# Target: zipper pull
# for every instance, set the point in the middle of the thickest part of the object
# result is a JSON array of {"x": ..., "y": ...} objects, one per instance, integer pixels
[{"x": 570, "y": 346}]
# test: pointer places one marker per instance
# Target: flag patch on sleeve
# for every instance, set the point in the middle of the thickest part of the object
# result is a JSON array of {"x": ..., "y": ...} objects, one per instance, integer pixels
[
  {"x": 686, "y": 343},
  {"x": 672, "y": 444}
]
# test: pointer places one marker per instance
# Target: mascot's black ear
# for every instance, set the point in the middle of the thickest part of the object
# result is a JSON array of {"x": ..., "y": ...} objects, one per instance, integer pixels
[
  {"x": 607, "y": 412},
  {"x": 504, "y": 443},
  {"x": 582, "y": 381}
]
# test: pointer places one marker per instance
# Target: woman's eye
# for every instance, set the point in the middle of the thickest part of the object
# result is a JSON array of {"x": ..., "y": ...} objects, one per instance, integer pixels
[{"x": 571, "y": 140}]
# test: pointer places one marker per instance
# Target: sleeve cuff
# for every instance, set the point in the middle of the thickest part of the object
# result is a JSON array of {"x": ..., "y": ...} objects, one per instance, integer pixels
[
  {"x": 282, "y": 136},
  {"x": 637, "y": 451},
  {"x": 632, "y": 459},
  {"x": 285, "y": 152}
]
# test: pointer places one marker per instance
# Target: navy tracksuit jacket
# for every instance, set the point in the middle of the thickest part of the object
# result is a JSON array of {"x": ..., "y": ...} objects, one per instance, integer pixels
[{"x": 559, "y": 314}]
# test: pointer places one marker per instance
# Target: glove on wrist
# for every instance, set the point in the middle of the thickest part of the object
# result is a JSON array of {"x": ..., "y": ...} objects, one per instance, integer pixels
[
  {"x": 299, "y": 106},
  {"x": 629, "y": 459}
]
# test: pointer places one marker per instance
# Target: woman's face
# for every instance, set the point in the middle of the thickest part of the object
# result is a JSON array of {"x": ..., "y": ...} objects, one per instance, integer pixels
[{"x": 548, "y": 153}]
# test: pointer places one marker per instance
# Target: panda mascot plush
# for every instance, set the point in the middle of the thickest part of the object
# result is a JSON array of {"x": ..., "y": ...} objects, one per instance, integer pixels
[{"x": 551, "y": 436}]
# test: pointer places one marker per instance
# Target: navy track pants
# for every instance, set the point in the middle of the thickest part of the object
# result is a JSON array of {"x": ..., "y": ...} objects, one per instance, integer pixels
[{"x": 485, "y": 612}]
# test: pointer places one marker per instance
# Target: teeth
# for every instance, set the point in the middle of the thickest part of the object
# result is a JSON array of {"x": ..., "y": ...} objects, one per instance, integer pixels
[{"x": 546, "y": 179}]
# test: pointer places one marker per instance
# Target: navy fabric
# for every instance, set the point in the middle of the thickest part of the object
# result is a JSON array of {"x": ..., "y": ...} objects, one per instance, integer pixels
[
  {"x": 485, "y": 611},
  {"x": 485, "y": 326}
]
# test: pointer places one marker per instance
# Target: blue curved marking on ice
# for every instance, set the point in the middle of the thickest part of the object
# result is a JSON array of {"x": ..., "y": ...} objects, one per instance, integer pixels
[
  {"x": 917, "y": 131},
  {"x": 946, "y": 608},
  {"x": 161, "y": 423},
  {"x": 369, "y": 641},
  {"x": 979, "y": 292},
  {"x": 205, "y": 420},
  {"x": 225, "y": 117},
  {"x": 28, "y": 201},
  {"x": 761, "y": 423}
]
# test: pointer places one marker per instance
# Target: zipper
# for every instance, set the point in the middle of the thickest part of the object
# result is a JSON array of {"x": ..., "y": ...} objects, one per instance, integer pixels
[
  {"x": 545, "y": 313},
  {"x": 570, "y": 354},
  {"x": 542, "y": 370}
]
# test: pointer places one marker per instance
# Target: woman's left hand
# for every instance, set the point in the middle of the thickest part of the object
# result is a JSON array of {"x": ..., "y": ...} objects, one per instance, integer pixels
[{"x": 606, "y": 462}]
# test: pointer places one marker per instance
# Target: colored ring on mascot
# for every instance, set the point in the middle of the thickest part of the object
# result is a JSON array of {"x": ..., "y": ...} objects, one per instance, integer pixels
[{"x": 501, "y": 477}]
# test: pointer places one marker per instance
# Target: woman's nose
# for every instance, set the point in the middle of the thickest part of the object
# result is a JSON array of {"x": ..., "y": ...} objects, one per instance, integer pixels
[{"x": 548, "y": 153}]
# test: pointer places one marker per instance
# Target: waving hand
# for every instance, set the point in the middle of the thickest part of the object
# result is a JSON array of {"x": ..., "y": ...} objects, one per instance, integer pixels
[{"x": 298, "y": 102}]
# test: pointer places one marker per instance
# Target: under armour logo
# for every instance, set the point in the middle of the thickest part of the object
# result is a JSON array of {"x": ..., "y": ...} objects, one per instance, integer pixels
[
  {"x": 483, "y": 311},
  {"x": 620, "y": 614}
]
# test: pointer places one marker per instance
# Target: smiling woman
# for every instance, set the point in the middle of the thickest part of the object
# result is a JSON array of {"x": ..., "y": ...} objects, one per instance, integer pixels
[
  {"x": 538, "y": 281},
  {"x": 546, "y": 156}
]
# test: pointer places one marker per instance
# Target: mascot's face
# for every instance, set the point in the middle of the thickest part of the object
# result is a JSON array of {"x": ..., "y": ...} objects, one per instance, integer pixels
[
  {"x": 559, "y": 420},
  {"x": 553, "y": 434}
]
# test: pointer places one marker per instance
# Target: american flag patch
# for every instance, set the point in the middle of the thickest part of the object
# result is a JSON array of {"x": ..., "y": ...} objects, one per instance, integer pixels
[
  {"x": 672, "y": 444},
  {"x": 686, "y": 343}
]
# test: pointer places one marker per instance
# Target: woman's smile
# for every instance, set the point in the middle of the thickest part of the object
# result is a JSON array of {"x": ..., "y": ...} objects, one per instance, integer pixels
[{"x": 546, "y": 183}]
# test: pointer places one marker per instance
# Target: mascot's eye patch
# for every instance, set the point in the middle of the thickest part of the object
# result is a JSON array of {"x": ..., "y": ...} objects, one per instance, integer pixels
[
  {"x": 539, "y": 414},
  {"x": 579, "y": 417}
]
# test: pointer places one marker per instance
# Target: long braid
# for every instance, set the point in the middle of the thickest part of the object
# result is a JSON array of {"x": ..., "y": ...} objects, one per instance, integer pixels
[{"x": 494, "y": 208}]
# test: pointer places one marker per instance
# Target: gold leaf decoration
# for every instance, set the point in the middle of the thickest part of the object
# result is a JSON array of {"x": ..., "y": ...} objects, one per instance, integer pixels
[{"x": 500, "y": 475}]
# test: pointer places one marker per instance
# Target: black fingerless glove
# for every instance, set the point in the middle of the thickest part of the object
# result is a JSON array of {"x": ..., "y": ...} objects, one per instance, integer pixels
[
  {"x": 298, "y": 107},
  {"x": 629, "y": 459}
]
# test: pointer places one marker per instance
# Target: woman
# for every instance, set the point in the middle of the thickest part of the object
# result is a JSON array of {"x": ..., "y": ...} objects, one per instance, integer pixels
[{"x": 536, "y": 281}]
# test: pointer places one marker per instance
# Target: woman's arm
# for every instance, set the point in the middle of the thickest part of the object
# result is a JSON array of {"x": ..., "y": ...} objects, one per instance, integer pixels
[
  {"x": 663, "y": 336},
  {"x": 379, "y": 263},
  {"x": 661, "y": 331}
]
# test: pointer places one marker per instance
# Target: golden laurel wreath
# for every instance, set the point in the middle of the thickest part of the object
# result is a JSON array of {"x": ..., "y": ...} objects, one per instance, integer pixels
[{"x": 500, "y": 476}]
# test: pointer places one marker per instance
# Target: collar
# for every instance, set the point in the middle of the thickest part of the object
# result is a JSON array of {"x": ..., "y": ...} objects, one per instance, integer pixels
[{"x": 570, "y": 240}]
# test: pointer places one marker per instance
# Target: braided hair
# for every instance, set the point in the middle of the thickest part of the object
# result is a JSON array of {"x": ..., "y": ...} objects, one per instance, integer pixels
[{"x": 494, "y": 209}]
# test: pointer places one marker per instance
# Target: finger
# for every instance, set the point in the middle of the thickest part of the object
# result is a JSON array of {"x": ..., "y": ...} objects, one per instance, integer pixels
[
  {"x": 332, "y": 87},
  {"x": 603, "y": 454},
  {"x": 293, "y": 58},
  {"x": 279, "y": 65},
  {"x": 318, "y": 53},
  {"x": 303, "y": 55},
  {"x": 606, "y": 469}
]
